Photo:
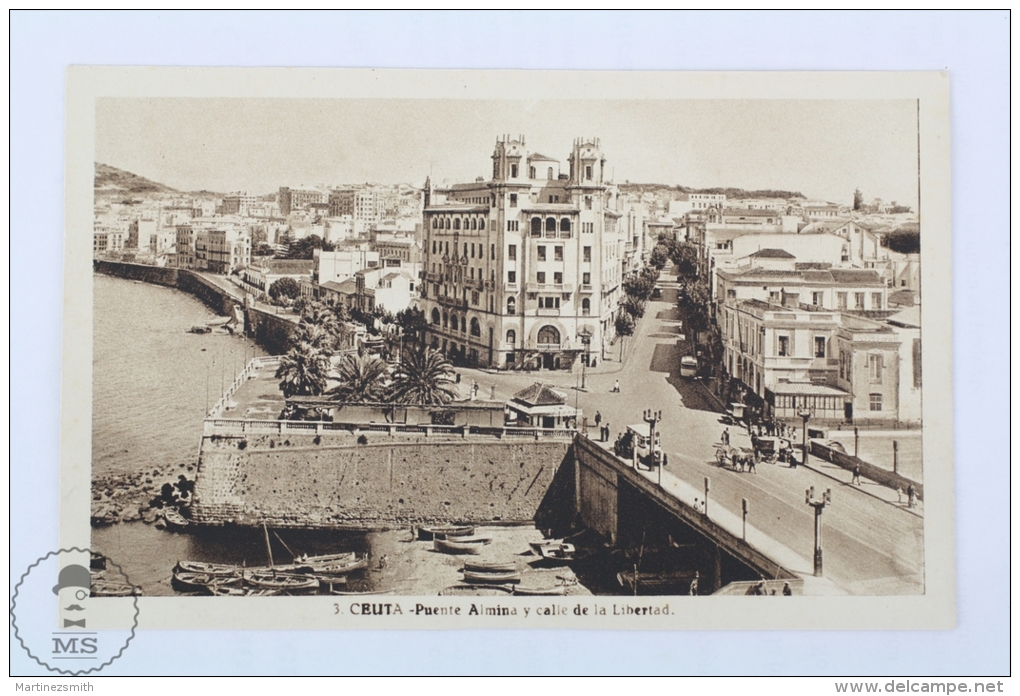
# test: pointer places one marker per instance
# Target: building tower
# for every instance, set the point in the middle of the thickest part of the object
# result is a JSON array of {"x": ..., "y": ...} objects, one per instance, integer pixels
[{"x": 524, "y": 270}]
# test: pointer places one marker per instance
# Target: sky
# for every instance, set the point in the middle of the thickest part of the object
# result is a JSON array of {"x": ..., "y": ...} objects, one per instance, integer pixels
[{"x": 824, "y": 149}]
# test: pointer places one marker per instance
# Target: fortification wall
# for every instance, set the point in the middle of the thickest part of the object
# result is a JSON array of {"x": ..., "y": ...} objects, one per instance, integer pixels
[{"x": 331, "y": 481}]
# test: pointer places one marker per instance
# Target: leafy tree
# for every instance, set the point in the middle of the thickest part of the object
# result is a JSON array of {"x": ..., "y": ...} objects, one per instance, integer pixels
[
  {"x": 658, "y": 257},
  {"x": 303, "y": 371},
  {"x": 633, "y": 306},
  {"x": 285, "y": 288},
  {"x": 305, "y": 247},
  {"x": 905, "y": 241},
  {"x": 639, "y": 286},
  {"x": 362, "y": 379},
  {"x": 685, "y": 258},
  {"x": 413, "y": 323},
  {"x": 264, "y": 249},
  {"x": 625, "y": 326},
  {"x": 424, "y": 378}
]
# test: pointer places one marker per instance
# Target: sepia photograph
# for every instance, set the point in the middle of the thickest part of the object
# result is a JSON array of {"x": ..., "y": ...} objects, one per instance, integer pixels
[
  {"x": 510, "y": 343},
  {"x": 633, "y": 347}
]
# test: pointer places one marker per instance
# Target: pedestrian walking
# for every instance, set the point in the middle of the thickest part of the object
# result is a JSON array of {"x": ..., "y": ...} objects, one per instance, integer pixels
[
  {"x": 751, "y": 465},
  {"x": 787, "y": 590},
  {"x": 598, "y": 417},
  {"x": 857, "y": 475},
  {"x": 665, "y": 458},
  {"x": 899, "y": 495},
  {"x": 725, "y": 437},
  {"x": 616, "y": 387},
  {"x": 911, "y": 496},
  {"x": 694, "y": 584}
]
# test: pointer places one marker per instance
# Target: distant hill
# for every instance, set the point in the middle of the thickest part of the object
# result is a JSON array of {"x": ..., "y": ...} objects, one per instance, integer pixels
[
  {"x": 729, "y": 191},
  {"x": 112, "y": 181}
]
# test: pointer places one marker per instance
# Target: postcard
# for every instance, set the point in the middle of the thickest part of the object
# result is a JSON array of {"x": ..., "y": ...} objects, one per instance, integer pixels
[{"x": 482, "y": 349}]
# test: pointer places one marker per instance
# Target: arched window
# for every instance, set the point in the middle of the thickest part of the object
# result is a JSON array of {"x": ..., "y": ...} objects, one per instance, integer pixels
[
  {"x": 586, "y": 306},
  {"x": 447, "y": 223},
  {"x": 476, "y": 328},
  {"x": 550, "y": 224},
  {"x": 481, "y": 224},
  {"x": 463, "y": 323},
  {"x": 511, "y": 305},
  {"x": 532, "y": 173},
  {"x": 536, "y": 227},
  {"x": 435, "y": 315},
  {"x": 456, "y": 223},
  {"x": 474, "y": 224},
  {"x": 565, "y": 225},
  {"x": 435, "y": 223},
  {"x": 511, "y": 337},
  {"x": 549, "y": 173},
  {"x": 549, "y": 335},
  {"x": 446, "y": 320}
]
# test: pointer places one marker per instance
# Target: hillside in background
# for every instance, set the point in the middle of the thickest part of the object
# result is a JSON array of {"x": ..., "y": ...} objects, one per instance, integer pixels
[
  {"x": 111, "y": 182},
  {"x": 663, "y": 189}
]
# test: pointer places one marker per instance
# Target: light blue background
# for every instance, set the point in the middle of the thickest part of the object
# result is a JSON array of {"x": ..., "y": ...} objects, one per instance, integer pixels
[{"x": 973, "y": 47}]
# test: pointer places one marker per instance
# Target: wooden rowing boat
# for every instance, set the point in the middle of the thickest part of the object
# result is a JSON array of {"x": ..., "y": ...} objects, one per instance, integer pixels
[
  {"x": 554, "y": 590},
  {"x": 498, "y": 578},
  {"x": 184, "y": 581},
  {"x": 207, "y": 568},
  {"x": 449, "y": 546},
  {"x": 444, "y": 531},
  {"x": 490, "y": 566},
  {"x": 174, "y": 519},
  {"x": 472, "y": 539},
  {"x": 111, "y": 588},
  {"x": 283, "y": 582},
  {"x": 476, "y": 591},
  {"x": 666, "y": 583}
]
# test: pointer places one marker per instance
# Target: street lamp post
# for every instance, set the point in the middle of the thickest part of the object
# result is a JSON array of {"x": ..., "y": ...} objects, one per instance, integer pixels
[
  {"x": 585, "y": 336},
  {"x": 818, "y": 504},
  {"x": 743, "y": 507},
  {"x": 805, "y": 415},
  {"x": 652, "y": 418}
]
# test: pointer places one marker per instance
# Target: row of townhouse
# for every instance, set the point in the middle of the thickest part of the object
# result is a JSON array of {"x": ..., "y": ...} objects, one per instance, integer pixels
[{"x": 820, "y": 340}]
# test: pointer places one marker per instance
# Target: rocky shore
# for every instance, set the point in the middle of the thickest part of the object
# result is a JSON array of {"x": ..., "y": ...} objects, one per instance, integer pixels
[{"x": 137, "y": 496}]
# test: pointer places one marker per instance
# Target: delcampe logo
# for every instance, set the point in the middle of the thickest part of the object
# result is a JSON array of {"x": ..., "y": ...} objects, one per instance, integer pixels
[{"x": 74, "y": 612}]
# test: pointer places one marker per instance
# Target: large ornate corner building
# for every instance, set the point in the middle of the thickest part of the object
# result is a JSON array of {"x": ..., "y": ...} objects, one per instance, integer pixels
[{"x": 524, "y": 270}]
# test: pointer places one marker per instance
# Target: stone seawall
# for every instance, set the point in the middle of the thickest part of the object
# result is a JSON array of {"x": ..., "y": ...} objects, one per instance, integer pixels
[
  {"x": 268, "y": 330},
  {"x": 332, "y": 482}
]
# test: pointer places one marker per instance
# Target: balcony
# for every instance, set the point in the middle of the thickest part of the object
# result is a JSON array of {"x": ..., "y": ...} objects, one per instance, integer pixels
[
  {"x": 450, "y": 301},
  {"x": 586, "y": 287},
  {"x": 550, "y": 287},
  {"x": 511, "y": 287}
]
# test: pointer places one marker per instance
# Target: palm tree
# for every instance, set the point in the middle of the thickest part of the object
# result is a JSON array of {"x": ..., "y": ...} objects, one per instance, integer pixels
[
  {"x": 423, "y": 378},
  {"x": 316, "y": 336},
  {"x": 303, "y": 371},
  {"x": 362, "y": 379}
]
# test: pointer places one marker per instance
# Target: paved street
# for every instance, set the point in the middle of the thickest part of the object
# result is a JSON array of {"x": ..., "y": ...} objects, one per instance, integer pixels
[{"x": 871, "y": 546}]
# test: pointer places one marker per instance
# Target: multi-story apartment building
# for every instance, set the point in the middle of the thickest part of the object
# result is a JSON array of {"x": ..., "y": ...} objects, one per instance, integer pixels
[
  {"x": 789, "y": 333},
  {"x": 238, "y": 203},
  {"x": 524, "y": 269},
  {"x": 222, "y": 250},
  {"x": 292, "y": 199}
]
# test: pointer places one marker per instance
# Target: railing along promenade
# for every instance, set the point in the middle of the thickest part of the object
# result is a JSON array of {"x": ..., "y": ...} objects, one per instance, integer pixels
[
  {"x": 253, "y": 366},
  {"x": 234, "y": 427}
]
